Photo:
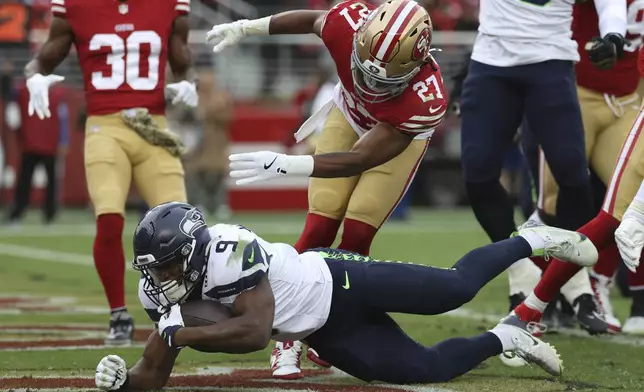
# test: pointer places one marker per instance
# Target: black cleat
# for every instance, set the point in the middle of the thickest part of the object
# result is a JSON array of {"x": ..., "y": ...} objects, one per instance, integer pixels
[
  {"x": 516, "y": 300},
  {"x": 121, "y": 330},
  {"x": 559, "y": 314},
  {"x": 589, "y": 316}
]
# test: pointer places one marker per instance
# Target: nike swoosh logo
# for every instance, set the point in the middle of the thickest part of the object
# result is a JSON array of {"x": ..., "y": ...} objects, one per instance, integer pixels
[
  {"x": 534, "y": 341},
  {"x": 251, "y": 259},
  {"x": 266, "y": 167},
  {"x": 432, "y": 110},
  {"x": 347, "y": 284}
]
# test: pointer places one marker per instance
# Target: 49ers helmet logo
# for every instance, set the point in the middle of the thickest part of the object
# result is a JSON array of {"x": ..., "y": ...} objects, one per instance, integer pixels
[{"x": 421, "y": 47}]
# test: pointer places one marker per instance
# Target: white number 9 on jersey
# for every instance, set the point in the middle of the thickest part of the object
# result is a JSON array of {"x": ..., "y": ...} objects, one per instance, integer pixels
[{"x": 125, "y": 60}]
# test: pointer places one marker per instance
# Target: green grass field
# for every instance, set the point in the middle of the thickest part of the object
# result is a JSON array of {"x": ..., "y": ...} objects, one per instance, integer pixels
[{"x": 51, "y": 270}]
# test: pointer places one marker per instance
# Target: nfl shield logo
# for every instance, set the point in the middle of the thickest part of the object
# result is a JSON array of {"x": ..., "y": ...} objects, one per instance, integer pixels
[{"x": 123, "y": 9}]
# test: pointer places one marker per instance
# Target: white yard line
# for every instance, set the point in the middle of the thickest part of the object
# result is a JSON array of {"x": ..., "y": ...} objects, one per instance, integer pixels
[{"x": 33, "y": 253}]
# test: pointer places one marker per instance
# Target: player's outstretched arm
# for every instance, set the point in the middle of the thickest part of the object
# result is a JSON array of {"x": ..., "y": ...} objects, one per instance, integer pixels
[
  {"x": 297, "y": 22},
  {"x": 250, "y": 330},
  {"x": 180, "y": 59},
  {"x": 39, "y": 70},
  {"x": 381, "y": 144},
  {"x": 54, "y": 50},
  {"x": 290, "y": 22},
  {"x": 149, "y": 373}
]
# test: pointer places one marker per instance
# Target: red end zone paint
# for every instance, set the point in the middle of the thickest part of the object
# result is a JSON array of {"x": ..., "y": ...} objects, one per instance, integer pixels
[{"x": 241, "y": 378}]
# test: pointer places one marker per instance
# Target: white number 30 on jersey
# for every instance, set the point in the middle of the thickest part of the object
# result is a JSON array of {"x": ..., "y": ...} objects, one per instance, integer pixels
[{"x": 125, "y": 60}]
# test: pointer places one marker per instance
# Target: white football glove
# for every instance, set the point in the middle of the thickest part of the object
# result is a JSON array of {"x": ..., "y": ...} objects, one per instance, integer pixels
[
  {"x": 264, "y": 165},
  {"x": 111, "y": 373},
  {"x": 38, "y": 86},
  {"x": 228, "y": 34},
  {"x": 630, "y": 241},
  {"x": 183, "y": 92},
  {"x": 170, "y": 323}
]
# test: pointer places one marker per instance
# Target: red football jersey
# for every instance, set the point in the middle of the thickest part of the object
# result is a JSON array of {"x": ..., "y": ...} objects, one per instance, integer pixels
[
  {"x": 418, "y": 110},
  {"x": 122, "y": 50},
  {"x": 623, "y": 78}
]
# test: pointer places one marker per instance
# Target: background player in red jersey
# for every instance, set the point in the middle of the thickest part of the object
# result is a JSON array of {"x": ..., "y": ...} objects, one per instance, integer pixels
[
  {"x": 123, "y": 47},
  {"x": 389, "y": 101}
]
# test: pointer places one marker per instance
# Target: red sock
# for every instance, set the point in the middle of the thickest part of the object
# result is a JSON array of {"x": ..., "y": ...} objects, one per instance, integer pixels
[
  {"x": 109, "y": 258},
  {"x": 539, "y": 262},
  {"x": 319, "y": 232},
  {"x": 357, "y": 236},
  {"x": 608, "y": 262},
  {"x": 600, "y": 231}
]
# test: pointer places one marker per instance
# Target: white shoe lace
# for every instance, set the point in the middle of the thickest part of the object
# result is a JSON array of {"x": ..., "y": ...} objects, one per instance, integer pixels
[
  {"x": 535, "y": 327},
  {"x": 551, "y": 248},
  {"x": 288, "y": 356}
]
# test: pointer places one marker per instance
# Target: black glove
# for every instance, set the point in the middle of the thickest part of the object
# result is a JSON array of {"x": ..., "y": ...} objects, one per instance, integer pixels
[{"x": 604, "y": 52}]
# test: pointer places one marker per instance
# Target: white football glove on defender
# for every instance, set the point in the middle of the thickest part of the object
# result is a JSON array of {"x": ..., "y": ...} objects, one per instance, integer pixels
[
  {"x": 38, "y": 86},
  {"x": 630, "y": 235},
  {"x": 183, "y": 92},
  {"x": 111, "y": 373},
  {"x": 228, "y": 34},
  {"x": 264, "y": 165}
]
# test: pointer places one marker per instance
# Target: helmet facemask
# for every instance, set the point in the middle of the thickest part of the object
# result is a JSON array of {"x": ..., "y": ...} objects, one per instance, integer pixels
[
  {"x": 169, "y": 280},
  {"x": 370, "y": 85}
]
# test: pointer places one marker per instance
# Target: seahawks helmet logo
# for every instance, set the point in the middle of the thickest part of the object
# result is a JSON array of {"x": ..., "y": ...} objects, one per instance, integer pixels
[{"x": 191, "y": 222}]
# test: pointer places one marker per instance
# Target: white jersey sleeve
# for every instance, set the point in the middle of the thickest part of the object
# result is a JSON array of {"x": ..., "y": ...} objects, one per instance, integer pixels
[{"x": 238, "y": 259}]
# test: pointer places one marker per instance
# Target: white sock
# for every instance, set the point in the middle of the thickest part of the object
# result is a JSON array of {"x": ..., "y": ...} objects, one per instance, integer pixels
[
  {"x": 523, "y": 276},
  {"x": 504, "y": 333},
  {"x": 578, "y": 285},
  {"x": 535, "y": 303},
  {"x": 535, "y": 217},
  {"x": 535, "y": 241}
]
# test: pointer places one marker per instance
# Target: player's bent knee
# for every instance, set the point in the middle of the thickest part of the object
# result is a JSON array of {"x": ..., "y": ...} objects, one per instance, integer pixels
[
  {"x": 369, "y": 211},
  {"x": 327, "y": 202},
  {"x": 479, "y": 166}
]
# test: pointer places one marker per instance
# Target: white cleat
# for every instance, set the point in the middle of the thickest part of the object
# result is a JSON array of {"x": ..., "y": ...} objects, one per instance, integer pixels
[
  {"x": 285, "y": 360},
  {"x": 601, "y": 289},
  {"x": 564, "y": 245},
  {"x": 634, "y": 326},
  {"x": 528, "y": 348}
]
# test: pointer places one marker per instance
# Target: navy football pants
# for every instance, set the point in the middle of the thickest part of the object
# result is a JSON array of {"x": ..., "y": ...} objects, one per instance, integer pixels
[
  {"x": 361, "y": 339},
  {"x": 494, "y": 102}
]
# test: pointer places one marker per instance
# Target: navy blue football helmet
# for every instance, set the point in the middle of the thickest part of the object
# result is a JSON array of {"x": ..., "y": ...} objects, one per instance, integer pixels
[{"x": 171, "y": 237}]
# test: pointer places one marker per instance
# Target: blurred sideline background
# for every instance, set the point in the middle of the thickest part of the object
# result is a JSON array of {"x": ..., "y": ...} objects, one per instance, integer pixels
[{"x": 254, "y": 96}]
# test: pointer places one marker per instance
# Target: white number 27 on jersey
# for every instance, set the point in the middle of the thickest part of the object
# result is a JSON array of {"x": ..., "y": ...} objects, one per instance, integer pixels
[
  {"x": 125, "y": 60},
  {"x": 421, "y": 88},
  {"x": 363, "y": 12}
]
